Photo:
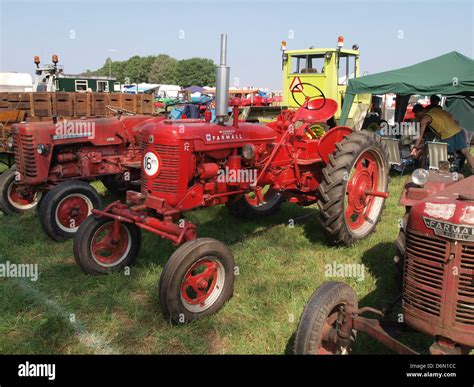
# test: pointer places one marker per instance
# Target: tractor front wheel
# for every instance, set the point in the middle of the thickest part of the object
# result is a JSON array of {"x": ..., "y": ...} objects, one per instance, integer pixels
[
  {"x": 100, "y": 249},
  {"x": 17, "y": 198},
  {"x": 354, "y": 188},
  {"x": 249, "y": 207},
  {"x": 319, "y": 330},
  {"x": 197, "y": 280},
  {"x": 65, "y": 207}
]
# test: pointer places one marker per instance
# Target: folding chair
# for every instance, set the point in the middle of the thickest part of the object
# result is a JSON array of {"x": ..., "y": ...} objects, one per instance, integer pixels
[
  {"x": 436, "y": 152},
  {"x": 396, "y": 158}
]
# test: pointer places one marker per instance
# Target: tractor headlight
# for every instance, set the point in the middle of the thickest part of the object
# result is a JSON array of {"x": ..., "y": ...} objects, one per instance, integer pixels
[
  {"x": 420, "y": 176},
  {"x": 41, "y": 149},
  {"x": 248, "y": 151},
  {"x": 10, "y": 143}
]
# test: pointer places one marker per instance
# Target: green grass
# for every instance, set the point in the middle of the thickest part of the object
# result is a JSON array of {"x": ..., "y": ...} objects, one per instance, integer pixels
[{"x": 66, "y": 311}]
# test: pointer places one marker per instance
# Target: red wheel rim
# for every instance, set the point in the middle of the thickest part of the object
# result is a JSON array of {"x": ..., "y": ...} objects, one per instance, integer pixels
[
  {"x": 325, "y": 346},
  {"x": 364, "y": 178},
  {"x": 255, "y": 202},
  {"x": 202, "y": 284},
  {"x": 72, "y": 211},
  {"x": 105, "y": 250},
  {"x": 19, "y": 200}
]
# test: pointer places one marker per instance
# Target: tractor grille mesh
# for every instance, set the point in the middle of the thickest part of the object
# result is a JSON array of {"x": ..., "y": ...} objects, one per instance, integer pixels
[
  {"x": 25, "y": 154},
  {"x": 424, "y": 272},
  {"x": 168, "y": 178},
  {"x": 465, "y": 301}
]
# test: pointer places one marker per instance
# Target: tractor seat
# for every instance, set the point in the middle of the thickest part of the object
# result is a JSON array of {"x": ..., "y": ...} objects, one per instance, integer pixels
[
  {"x": 316, "y": 113},
  {"x": 309, "y": 70}
]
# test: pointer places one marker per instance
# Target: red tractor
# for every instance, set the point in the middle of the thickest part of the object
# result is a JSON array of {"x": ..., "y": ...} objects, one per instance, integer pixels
[
  {"x": 55, "y": 161},
  {"x": 436, "y": 249},
  {"x": 251, "y": 168}
]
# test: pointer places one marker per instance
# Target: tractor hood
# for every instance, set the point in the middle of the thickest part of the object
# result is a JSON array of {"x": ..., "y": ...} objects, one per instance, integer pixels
[
  {"x": 97, "y": 131},
  {"x": 448, "y": 213},
  {"x": 206, "y": 136}
]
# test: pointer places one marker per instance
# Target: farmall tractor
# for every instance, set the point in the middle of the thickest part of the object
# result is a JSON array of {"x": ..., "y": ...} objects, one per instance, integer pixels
[
  {"x": 182, "y": 169},
  {"x": 55, "y": 161},
  {"x": 436, "y": 248}
]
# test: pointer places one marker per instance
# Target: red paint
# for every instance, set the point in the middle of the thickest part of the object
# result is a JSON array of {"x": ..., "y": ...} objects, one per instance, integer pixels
[{"x": 199, "y": 282}]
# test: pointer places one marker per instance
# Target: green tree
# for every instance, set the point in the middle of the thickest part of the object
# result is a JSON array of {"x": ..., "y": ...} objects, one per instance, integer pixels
[
  {"x": 196, "y": 71},
  {"x": 137, "y": 68},
  {"x": 163, "y": 70}
]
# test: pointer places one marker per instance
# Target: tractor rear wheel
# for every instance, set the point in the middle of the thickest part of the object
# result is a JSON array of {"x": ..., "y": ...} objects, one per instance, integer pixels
[
  {"x": 353, "y": 188},
  {"x": 66, "y": 206},
  {"x": 96, "y": 251},
  {"x": 318, "y": 329},
  {"x": 16, "y": 198},
  {"x": 197, "y": 280},
  {"x": 249, "y": 207}
]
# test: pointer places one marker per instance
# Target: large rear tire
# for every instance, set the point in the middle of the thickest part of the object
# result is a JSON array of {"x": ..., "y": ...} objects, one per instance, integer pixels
[
  {"x": 17, "y": 198},
  {"x": 321, "y": 316},
  {"x": 65, "y": 207},
  {"x": 197, "y": 280},
  {"x": 358, "y": 168}
]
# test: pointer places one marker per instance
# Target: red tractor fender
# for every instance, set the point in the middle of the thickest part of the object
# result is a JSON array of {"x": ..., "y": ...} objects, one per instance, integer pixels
[{"x": 327, "y": 143}]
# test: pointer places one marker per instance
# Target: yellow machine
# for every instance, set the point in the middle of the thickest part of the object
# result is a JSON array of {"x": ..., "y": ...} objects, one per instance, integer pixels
[
  {"x": 329, "y": 69},
  {"x": 306, "y": 71}
]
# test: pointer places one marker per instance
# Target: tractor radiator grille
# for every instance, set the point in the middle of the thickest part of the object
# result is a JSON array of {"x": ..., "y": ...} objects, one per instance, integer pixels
[
  {"x": 25, "y": 154},
  {"x": 424, "y": 272},
  {"x": 465, "y": 301},
  {"x": 168, "y": 178}
]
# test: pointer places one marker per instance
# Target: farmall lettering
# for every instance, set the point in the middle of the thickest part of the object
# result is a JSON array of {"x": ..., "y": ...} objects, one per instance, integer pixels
[
  {"x": 224, "y": 135},
  {"x": 450, "y": 230}
]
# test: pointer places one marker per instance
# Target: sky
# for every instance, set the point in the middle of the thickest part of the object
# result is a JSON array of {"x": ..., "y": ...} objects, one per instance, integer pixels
[{"x": 391, "y": 34}]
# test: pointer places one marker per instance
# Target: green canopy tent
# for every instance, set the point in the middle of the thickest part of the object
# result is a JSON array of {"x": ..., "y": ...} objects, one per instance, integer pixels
[{"x": 450, "y": 74}]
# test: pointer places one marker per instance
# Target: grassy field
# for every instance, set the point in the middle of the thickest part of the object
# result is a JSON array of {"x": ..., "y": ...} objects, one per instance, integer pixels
[{"x": 68, "y": 312}]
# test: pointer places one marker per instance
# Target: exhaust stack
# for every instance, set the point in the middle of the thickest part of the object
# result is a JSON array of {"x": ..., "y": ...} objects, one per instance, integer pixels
[{"x": 222, "y": 84}]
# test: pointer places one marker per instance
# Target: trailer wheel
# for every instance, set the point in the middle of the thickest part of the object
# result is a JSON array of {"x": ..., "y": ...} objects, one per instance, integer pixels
[
  {"x": 317, "y": 331},
  {"x": 66, "y": 206},
  {"x": 356, "y": 176},
  {"x": 17, "y": 198},
  {"x": 95, "y": 250},
  {"x": 248, "y": 206},
  {"x": 197, "y": 280}
]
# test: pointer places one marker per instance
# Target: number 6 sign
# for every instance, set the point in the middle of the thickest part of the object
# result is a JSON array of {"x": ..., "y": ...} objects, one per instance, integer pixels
[{"x": 151, "y": 163}]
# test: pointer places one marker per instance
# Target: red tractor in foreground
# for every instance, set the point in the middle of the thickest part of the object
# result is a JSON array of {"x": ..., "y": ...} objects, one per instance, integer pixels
[
  {"x": 436, "y": 249},
  {"x": 55, "y": 161},
  {"x": 251, "y": 168}
]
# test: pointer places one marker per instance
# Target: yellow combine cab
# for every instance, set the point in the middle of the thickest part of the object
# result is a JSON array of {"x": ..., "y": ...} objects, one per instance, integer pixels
[{"x": 329, "y": 69}]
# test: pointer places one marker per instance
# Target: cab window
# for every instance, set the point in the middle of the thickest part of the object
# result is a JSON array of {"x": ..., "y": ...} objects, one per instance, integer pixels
[
  {"x": 307, "y": 64},
  {"x": 347, "y": 69}
]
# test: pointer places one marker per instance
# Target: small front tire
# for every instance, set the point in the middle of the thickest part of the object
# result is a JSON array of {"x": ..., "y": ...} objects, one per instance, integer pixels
[
  {"x": 320, "y": 316},
  {"x": 65, "y": 207},
  {"x": 197, "y": 280},
  {"x": 96, "y": 252}
]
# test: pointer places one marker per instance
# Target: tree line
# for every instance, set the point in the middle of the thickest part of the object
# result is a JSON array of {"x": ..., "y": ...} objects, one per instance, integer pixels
[{"x": 160, "y": 69}]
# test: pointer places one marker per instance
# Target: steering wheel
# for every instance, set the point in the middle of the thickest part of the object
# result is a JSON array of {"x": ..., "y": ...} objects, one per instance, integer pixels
[
  {"x": 120, "y": 111},
  {"x": 305, "y": 104}
]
